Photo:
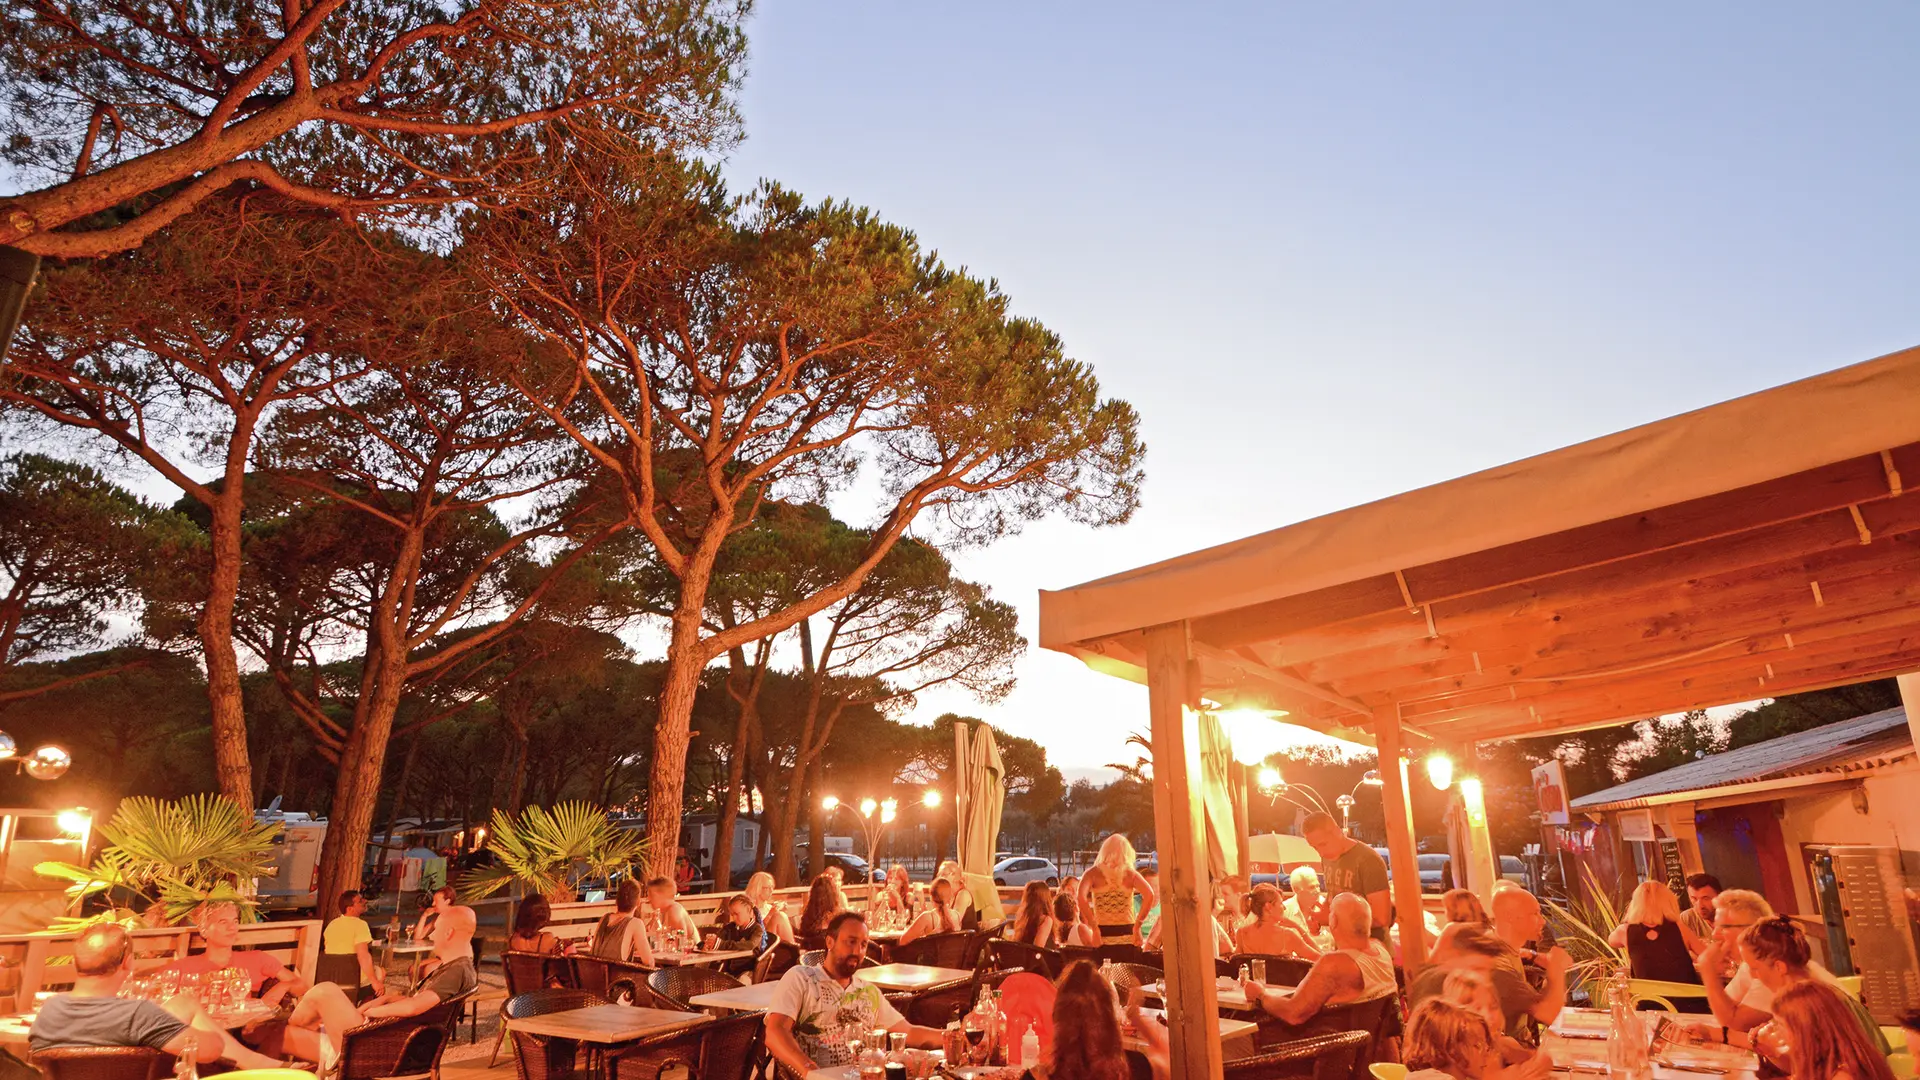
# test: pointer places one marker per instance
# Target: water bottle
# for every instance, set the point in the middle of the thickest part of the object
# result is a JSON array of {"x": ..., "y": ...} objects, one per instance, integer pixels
[
  {"x": 188, "y": 1067},
  {"x": 1627, "y": 1057},
  {"x": 1030, "y": 1047}
]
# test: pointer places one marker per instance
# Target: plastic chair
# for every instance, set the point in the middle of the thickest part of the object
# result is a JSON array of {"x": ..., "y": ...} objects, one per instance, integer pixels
[
  {"x": 1387, "y": 1070},
  {"x": 1027, "y": 999},
  {"x": 1661, "y": 993}
]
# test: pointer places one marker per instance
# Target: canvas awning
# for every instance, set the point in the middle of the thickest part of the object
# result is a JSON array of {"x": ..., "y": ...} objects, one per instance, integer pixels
[
  {"x": 1757, "y": 547},
  {"x": 1760, "y": 546}
]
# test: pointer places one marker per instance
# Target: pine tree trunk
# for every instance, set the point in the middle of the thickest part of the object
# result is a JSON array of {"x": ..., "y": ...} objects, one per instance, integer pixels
[
  {"x": 674, "y": 731},
  {"x": 232, "y": 771}
]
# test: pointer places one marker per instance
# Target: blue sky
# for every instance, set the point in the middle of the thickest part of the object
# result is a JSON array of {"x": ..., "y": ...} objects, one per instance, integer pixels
[{"x": 1332, "y": 252}]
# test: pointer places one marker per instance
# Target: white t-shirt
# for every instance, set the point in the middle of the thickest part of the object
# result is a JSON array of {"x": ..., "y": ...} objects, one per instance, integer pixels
[
  {"x": 1746, "y": 990},
  {"x": 818, "y": 1004}
]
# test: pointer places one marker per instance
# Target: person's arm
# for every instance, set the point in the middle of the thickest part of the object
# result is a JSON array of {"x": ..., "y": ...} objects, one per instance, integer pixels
[
  {"x": 1553, "y": 996},
  {"x": 1153, "y": 1033},
  {"x": 370, "y": 973},
  {"x": 1710, "y": 963},
  {"x": 1382, "y": 904},
  {"x": 1618, "y": 939},
  {"x": 638, "y": 949},
  {"x": 1298, "y": 943},
  {"x": 412, "y": 1005},
  {"x": 785, "y": 1048},
  {"x": 287, "y": 981},
  {"x": 918, "y": 928},
  {"x": 1147, "y": 899},
  {"x": 1692, "y": 940},
  {"x": 1329, "y": 976},
  {"x": 781, "y": 926}
]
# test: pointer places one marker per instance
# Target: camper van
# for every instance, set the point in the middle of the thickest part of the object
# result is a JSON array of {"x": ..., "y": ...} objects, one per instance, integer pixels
[{"x": 294, "y": 884}]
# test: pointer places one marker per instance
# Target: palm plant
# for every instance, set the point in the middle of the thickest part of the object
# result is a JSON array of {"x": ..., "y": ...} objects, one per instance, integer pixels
[
  {"x": 549, "y": 852},
  {"x": 167, "y": 858},
  {"x": 1581, "y": 926}
]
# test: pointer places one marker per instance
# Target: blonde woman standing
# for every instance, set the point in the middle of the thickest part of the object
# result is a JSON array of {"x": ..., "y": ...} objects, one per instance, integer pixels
[
  {"x": 1107, "y": 891},
  {"x": 1659, "y": 946}
]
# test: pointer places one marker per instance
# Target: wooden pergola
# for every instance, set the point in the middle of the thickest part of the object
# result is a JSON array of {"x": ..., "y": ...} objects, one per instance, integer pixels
[{"x": 1762, "y": 546}]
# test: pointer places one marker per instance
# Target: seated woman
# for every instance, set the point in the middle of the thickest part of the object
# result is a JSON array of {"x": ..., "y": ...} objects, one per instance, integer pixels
[
  {"x": 773, "y": 913},
  {"x": 1775, "y": 954},
  {"x": 1034, "y": 925},
  {"x": 1819, "y": 1023},
  {"x": 897, "y": 893},
  {"x": 1086, "y": 1032},
  {"x": 1445, "y": 1041},
  {"x": 1068, "y": 929},
  {"x": 1474, "y": 990},
  {"x": 740, "y": 926},
  {"x": 824, "y": 901},
  {"x": 1659, "y": 946},
  {"x": 1356, "y": 969},
  {"x": 1270, "y": 934},
  {"x": 941, "y": 918},
  {"x": 1222, "y": 944},
  {"x": 530, "y": 932}
]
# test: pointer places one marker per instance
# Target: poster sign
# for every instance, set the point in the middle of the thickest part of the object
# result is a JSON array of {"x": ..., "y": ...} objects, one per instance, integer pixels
[
  {"x": 1550, "y": 793},
  {"x": 1637, "y": 825},
  {"x": 1673, "y": 870}
]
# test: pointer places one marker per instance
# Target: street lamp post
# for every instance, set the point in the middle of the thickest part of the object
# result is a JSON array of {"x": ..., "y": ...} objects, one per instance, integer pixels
[
  {"x": 1279, "y": 790},
  {"x": 887, "y": 810}
]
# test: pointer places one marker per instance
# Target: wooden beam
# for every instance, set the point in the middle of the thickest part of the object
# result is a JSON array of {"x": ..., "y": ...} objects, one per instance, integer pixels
[
  {"x": 1723, "y": 517},
  {"x": 1398, "y": 808},
  {"x": 1909, "y": 684},
  {"x": 1186, "y": 905},
  {"x": 1680, "y": 620},
  {"x": 1293, "y": 683},
  {"x": 1563, "y": 717}
]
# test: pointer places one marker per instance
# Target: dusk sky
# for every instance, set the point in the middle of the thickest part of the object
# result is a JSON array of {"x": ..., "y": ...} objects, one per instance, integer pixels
[{"x": 1334, "y": 252}]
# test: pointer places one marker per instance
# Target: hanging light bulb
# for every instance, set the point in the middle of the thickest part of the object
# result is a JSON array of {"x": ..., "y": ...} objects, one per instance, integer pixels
[
  {"x": 1440, "y": 771},
  {"x": 7, "y": 747}
]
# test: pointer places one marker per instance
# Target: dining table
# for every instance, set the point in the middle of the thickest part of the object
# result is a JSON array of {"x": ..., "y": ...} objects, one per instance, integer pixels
[
  {"x": 690, "y": 957},
  {"x": 1577, "y": 1043},
  {"x": 755, "y": 997},
  {"x": 910, "y": 976},
  {"x": 607, "y": 1024},
  {"x": 1236, "y": 1035}
]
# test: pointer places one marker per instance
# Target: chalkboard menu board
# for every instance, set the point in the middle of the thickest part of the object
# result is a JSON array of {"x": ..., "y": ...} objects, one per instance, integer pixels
[{"x": 1676, "y": 873}]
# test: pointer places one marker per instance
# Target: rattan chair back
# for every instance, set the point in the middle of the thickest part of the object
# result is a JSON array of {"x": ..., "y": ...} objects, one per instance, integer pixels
[{"x": 104, "y": 1063}]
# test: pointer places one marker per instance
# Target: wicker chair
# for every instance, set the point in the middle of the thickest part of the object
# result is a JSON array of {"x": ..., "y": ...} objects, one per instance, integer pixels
[
  {"x": 590, "y": 974},
  {"x": 976, "y": 948},
  {"x": 401, "y": 1045},
  {"x": 1377, "y": 1017},
  {"x": 626, "y": 983},
  {"x": 1323, "y": 1057},
  {"x": 812, "y": 957},
  {"x": 675, "y": 985},
  {"x": 1007, "y": 955},
  {"x": 104, "y": 1063},
  {"x": 775, "y": 961},
  {"x": 1281, "y": 970},
  {"x": 947, "y": 950},
  {"x": 526, "y": 971},
  {"x": 723, "y": 1050},
  {"x": 1128, "y": 953},
  {"x": 935, "y": 1005},
  {"x": 1128, "y": 976},
  {"x": 536, "y": 1057}
]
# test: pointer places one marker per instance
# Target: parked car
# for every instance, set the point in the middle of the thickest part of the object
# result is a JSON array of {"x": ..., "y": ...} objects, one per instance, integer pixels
[
  {"x": 1148, "y": 863},
  {"x": 1513, "y": 868},
  {"x": 1433, "y": 871},
  {"x": 1024, "y": 868},
  {"x": 852, "y": 867}
]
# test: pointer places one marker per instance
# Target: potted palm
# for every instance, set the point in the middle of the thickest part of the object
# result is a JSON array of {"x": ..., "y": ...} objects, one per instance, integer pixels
[
  {"x": 164, "y": 859},
  {"x": 549, "y": 852}
]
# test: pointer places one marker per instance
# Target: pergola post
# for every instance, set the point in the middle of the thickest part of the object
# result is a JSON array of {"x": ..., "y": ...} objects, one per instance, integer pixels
[
  {"x": 1910, "y": 699},
  {"x": 1399, "y": 813},
  {"x": 1186, "y": 897}
]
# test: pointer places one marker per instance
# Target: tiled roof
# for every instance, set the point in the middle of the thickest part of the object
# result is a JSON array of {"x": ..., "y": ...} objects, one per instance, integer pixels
[{"x": 1864, "y": 742}]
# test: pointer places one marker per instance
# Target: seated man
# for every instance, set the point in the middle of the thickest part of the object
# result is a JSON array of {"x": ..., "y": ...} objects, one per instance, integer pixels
[
  {"x": 1743, "y": 1001},
  {"x": 93, "y": 1013},
  {"x": 220, "y": 927},
  {"x": 811, "y": 1001},
  {"x": 447, "y": 974},
  {"x": 1357, "y": 968},
  {"x": 1516, "y": 922},
  {"x": 665, "y": 913}
]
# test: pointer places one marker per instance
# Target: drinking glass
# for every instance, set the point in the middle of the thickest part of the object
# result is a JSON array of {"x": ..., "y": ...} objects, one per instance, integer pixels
[
  {"x": 242, "y": 984},
  {"x": 1259, "y": 971},
  {"x": 169, "y": 985}
]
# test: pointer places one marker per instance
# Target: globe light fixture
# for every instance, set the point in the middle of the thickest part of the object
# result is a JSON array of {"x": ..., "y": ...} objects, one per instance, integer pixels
[
  {"x": 830, "y": 803},
  {"x": 1268, "y": 778},
  {"x": 1440, "y": 771},
  {"x": 48, "y": 763},
  {"x": 1371, "y": 779},
  {"x": 867, "y": 807},
  {"x": 888, "y": 809},
  {"x": 931, "y": 800},
  {"x": 74, "y": 822}
]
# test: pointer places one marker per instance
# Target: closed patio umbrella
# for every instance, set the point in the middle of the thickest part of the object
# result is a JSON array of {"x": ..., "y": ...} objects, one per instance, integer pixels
[{"x": 980, "y": 791}]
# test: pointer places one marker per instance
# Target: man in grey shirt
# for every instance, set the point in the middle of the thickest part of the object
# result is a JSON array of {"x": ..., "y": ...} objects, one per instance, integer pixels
[{"x": 94, "y": 1015}]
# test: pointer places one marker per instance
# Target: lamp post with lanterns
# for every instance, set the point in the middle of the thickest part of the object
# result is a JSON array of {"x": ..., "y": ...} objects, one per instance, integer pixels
[{"x": 873, "y": 816}]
